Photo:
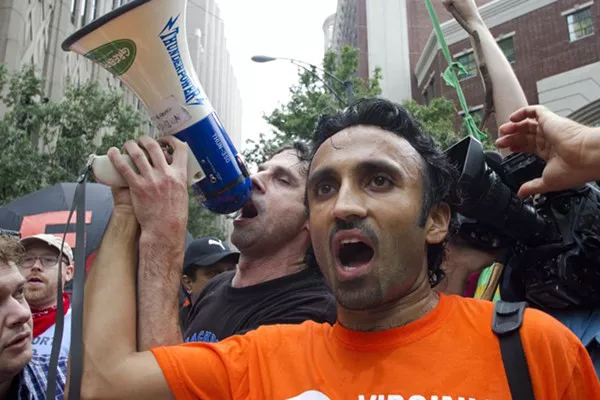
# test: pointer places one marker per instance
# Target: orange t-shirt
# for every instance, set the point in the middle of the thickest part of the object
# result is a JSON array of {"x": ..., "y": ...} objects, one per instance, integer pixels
[{"x": 449, "y": 354}]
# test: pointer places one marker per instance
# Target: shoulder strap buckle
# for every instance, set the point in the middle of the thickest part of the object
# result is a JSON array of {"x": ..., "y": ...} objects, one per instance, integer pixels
[{"x": 508, "y": 317}]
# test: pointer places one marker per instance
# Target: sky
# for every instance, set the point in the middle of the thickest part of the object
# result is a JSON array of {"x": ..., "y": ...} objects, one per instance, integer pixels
[{"x": 278, "y": 28}]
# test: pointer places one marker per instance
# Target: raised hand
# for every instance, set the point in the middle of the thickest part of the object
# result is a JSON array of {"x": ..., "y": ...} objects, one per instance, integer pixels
[
  {"x": 465, "y": 10},
  {"x": 571, "y": 150},
  {"x": 159, "y": 191}
]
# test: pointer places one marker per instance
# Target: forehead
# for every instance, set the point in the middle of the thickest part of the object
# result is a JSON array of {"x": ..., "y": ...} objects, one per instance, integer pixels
[
  {"x": 361, "y": 143},
  {"x": 10, "y": 278},
  {"x": 40, "y": 248},
  {"x": 287, "y": 159}
]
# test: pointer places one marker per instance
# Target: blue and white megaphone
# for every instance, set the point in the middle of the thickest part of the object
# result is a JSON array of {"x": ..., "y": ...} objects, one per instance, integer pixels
[{"x": 144, "y": 44}]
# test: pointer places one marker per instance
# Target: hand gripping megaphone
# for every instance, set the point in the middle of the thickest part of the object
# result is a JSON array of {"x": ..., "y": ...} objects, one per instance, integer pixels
[{"x": 144, "y": 44}]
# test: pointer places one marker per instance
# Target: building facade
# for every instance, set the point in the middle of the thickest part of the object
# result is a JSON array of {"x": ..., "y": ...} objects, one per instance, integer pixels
[
  {"x": 350, "y": 28},
  {"x": 552, "y": 45},
  {"x": 32, "y": 31}
]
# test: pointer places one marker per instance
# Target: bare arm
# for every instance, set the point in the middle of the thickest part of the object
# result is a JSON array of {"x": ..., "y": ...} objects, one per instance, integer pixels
[
  {"x": 158, "y": 282},
  {"x": 508, "y": 95},
  {"x": 160, "y": 201},
  {"x": 112, "y": 368}
]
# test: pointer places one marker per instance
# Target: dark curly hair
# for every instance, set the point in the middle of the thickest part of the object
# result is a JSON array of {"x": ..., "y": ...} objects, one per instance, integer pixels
[
  {"x": 302, "y": 151},
  {"x": 439, "y": 175}
]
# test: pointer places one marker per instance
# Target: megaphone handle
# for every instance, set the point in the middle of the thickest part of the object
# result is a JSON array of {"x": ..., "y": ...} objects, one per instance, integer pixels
[{"x": 105, "y": 172}]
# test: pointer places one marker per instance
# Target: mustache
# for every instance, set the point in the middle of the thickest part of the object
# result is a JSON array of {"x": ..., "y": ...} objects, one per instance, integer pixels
[{"x": 360, "y": 225}]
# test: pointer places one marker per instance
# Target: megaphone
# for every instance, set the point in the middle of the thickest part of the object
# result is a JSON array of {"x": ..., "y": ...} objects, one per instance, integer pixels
[{"x": 144, "y": 44}]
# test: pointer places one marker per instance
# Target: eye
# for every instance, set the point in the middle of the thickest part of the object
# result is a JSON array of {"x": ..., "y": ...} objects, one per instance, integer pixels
[
  {"x": 324, "y": 189},
  {"x": 380, "y": 182},
  {"x": 285, "y": 181}
]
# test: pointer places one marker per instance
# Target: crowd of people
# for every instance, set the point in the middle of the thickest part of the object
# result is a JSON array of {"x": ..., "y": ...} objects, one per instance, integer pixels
[{"x": 347, "y": 282}]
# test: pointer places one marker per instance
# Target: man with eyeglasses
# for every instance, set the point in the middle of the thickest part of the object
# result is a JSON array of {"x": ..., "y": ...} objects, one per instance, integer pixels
[{"x": 39, "y": 266}]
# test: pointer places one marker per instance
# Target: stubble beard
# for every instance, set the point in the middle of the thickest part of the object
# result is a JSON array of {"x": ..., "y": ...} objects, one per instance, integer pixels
[
  {"x": 39, "y": 295},
  {"x": 358, "y": 294}
]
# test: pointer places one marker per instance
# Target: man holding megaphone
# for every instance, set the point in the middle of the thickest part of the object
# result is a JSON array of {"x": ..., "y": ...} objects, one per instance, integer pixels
[{"x": 271, "y": 284}]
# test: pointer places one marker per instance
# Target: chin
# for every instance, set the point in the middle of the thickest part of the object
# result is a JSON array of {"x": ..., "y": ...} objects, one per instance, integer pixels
[
  {"x": 358, "y": 299},
  {"x": 18, "y": 362}
]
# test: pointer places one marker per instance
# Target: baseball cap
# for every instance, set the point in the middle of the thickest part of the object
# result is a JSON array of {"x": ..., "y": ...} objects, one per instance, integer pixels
[
  {"x": 52, "y": 241},
  {"x": 207, "y": 251}
]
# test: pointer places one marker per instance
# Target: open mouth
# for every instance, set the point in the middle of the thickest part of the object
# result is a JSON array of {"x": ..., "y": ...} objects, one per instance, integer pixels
[
  {"x": 35, "y": 280},
  {"x": 354, "y": 253},
  {"x": 249, "y": 211}
]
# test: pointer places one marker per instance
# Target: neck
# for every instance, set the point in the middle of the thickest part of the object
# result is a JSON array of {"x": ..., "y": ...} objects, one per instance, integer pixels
[
  {"x": 287, "y": 260},
  {"x": 5, "y": 387},
  {"x": 454, "y": 282},
  {"x": 43, "y": 305},
  {"x": 417, "y": 303}
]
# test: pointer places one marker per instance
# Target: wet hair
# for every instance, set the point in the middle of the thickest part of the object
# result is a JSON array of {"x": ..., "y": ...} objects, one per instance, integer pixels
[
  {"x": 302, "y": 151},
  {"x": 11, "y": 249},
  {"x": 438, "y": 174}
]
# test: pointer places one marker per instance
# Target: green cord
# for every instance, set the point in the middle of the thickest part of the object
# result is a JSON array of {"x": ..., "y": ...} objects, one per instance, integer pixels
[{"x": 450, "y": 76}]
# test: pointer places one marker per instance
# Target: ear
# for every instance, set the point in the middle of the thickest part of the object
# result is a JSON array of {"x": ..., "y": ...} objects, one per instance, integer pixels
[
  {"x": 68, "y": 273},
  {"x": 438, "y": 220},
  {"x": 186, "y": 282}
]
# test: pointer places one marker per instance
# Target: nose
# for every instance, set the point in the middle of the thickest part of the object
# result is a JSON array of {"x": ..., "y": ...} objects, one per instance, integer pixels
[
  {"x": 37, "y": 265},
  {"x": 257, "y": 182},
  {"x": 349, "y": 204},
  {"x": 18, "y": 314}
]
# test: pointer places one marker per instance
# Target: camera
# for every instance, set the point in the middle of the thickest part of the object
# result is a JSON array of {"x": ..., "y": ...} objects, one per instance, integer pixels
[{"x": 552, "y": 240}]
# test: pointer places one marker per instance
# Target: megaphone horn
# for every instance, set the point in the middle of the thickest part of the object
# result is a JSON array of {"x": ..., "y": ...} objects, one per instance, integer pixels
[{"x": 144, "y": 44}]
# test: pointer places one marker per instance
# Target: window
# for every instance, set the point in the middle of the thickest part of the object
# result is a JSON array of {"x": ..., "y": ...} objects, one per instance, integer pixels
[
  {"x": 429, "y": 91},
  {"x": 94, "y": 10},
  {"x": 431, "y": 87},
  {"x": 83, "y": 12},
  {"x": 470, "y": 63},
  {"x": 73, "y": 6},
  {"x": 508, "y": 48},
  {"x": 580, "y": 23}
]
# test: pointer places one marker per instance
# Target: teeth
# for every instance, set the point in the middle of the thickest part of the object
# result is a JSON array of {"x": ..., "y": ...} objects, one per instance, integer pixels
[{"x": 347, "y": 241}]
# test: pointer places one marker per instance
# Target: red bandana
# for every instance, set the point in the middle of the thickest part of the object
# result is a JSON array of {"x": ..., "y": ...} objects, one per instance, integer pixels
[{"x": 44, "y": 319}]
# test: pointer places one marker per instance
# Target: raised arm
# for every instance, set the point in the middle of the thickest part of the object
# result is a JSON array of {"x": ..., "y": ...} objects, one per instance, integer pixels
[
  {"x": 112, "y": 366},
  {"x": 507, "y": 92},
  {"x": 161, "y": 206}
]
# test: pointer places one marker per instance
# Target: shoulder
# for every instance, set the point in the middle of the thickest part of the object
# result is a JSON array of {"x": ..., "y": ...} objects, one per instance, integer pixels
[
  {"x": 223, "y": 279},
  {"x": 278, "y": 337},
  {"x": 219, "y": 282},
  {"x": 536, "y": 325}
]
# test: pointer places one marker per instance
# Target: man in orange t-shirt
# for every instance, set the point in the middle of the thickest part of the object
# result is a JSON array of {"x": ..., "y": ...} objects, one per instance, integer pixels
[{"x": 379, "y": 196}]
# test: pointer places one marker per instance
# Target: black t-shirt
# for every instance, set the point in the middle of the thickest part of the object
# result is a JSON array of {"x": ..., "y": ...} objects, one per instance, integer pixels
[{"x": 222, "y": 310}]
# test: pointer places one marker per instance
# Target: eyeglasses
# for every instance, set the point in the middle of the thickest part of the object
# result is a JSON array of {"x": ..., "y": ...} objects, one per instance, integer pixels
[{"x": 47, "y": 261}]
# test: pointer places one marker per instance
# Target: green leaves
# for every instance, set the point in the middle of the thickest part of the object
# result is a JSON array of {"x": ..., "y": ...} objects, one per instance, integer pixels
[
  {"x": 309, "y": 99},
  {"x": 45, "y": 142}
]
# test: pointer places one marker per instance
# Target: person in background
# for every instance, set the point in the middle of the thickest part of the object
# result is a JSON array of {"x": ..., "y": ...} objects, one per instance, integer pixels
[
  {"x": 40, "y": 265},
  {"x": 23, "y": 376},
  {"x": 273, "y": 282},
  {"x": 204, "y": 259}
]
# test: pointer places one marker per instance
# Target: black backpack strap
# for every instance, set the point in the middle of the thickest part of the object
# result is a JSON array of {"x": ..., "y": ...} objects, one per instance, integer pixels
[{"x": 506, "y": 323}]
